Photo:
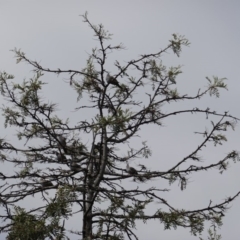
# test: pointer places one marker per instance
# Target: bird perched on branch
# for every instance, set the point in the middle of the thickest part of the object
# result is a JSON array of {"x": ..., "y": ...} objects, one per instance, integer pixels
[
  {"x": 112, "y": 80},
  {"x": 60, "y": 157},
  {"x": 96, "y": 164},
  {"x": 62, "y": 141},
  {"x": 131, "y": 170},
  {"x": 98, "y": 148},
  {"x": 75, "y": 167},
  {"x": 45, "y": 183}
]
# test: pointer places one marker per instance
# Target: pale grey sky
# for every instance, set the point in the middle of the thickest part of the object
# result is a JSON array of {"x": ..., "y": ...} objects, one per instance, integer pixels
[{"x": 53, "y": 32}]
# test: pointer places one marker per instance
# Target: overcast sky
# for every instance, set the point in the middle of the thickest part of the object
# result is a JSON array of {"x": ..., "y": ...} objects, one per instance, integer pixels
[{"x": 53, "y": 33}]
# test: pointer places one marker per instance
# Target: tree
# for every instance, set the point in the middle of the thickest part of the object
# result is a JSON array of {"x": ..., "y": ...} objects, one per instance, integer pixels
[{"x": 84, "y": 175}]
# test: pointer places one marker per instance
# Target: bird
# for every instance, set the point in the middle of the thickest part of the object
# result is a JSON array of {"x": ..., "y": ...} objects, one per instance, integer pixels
[
  {"x": 96, "y": 164},
  {"x": 97, "y": 88},
  {"x": 98, "y": 148},
  {"x": 60, "y": 157},
  {"x": 131, "y": 170},
  {"x": 75, "y": 167},
  {"x": 45, "y": 183},
  {"x": 62, "y": 141},
  {"x": 112, "y": 80}
]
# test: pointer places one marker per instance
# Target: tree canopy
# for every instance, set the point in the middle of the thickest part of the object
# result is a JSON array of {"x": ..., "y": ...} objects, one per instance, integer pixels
[{"x": 87, "y": 166}]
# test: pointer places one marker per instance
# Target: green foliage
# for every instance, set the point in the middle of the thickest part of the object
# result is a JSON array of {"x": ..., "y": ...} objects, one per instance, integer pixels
[
  {"x": 215, "y": 84},
  {"x": 26, "y": 226},
  {"x": 213, "y": 234}
]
